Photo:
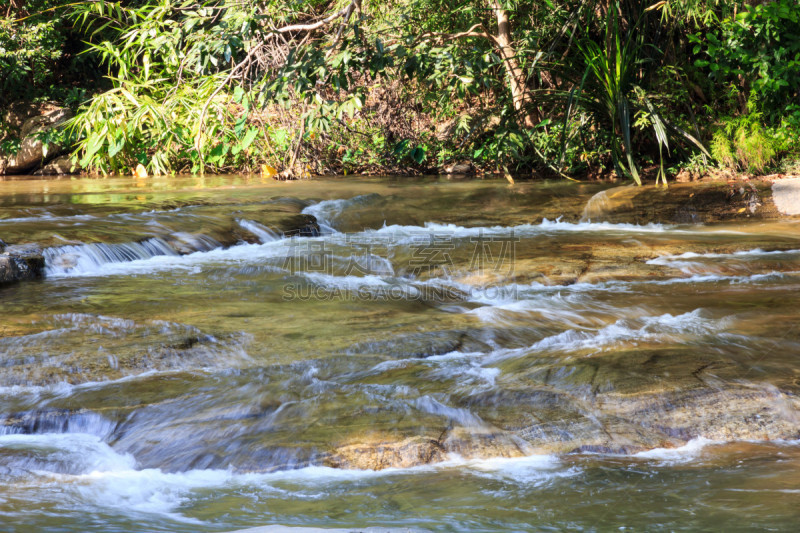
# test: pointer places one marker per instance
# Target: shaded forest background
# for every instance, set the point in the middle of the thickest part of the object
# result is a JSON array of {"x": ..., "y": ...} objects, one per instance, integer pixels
[{"x": 563, "y": 87}]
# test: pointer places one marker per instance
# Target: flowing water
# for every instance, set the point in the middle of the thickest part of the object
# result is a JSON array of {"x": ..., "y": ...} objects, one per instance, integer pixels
[{"x": 220, "y": 353}]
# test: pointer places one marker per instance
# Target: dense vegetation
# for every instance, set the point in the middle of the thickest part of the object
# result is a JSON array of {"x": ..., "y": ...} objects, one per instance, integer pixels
[{"x": 571, "y": 87}]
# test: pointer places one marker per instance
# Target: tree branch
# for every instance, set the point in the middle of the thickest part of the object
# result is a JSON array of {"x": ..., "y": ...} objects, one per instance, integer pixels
[
  {"x": 320, "y": 23},
  {"x": 453, "y": 36}
]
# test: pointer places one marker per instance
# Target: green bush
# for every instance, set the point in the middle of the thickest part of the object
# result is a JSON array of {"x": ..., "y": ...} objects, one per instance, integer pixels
[
  {"x": 760, "y": 45},
  {"x": 743, "y": 143}
]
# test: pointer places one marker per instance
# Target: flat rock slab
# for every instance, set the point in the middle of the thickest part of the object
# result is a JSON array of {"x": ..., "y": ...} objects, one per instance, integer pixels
[{"x": 687, "y": 203}]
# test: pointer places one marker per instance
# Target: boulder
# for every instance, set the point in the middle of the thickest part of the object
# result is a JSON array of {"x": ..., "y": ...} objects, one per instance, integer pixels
[
  {"x": 42, "y": 122},
  {"x": 447, "y": 130},
  {"x": 20, "y": 262},
  {"x": 379, "y": 450},
  {"x": 33, "y": 152},
  {"x": 462, "y": 167},
  {"x": 18, "y": 112},
  {"x": 59, "y": 166},
  {"x": 686, "y": 203}
]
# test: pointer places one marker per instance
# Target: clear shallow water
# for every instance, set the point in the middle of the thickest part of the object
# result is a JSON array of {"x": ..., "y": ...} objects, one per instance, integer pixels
[{"x": 443, "y": 355}]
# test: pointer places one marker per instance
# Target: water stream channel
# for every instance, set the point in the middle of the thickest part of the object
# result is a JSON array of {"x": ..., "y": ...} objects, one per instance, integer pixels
[{"x": 210, "y": 354}]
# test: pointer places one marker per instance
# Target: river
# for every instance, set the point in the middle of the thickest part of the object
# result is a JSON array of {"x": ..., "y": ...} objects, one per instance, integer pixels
[{"x": 211, "y": 354}]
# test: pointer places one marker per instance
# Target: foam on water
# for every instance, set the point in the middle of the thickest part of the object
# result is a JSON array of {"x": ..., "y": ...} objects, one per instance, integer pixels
[
  {"x": 46, "y": 218},
  {"x": 463, "y": 417},
  {"x": 403, "y": 234},
  {"x": 102, "y": 479},
  {"x": 386, "y": 288},
  {"x": 412, "y": 234},
  {"x": 471, "y": 374},
  {"x": 568, "y": 309},
  {"x": 84, "y": 453},
  {"x": 43, "y": 422},
  {"x": 157, "y": 254},
  {"x": 648, "y": 329},
  {"x": 756, "y": 252},
  {"x": 683, "y": 454},
  {"x": 524, "y": 471},
  {"x": 701, "y": 263},
  {"x": 63, "y": 389}
]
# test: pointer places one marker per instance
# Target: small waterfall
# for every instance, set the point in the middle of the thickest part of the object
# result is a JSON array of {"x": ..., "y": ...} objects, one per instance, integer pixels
[
  {"x": 82, "y": 258},
  {"x": 186, "y": 243},
  {"x": 46, "y": 421},
  {"x": 608, "y": 201},
  {"x": 596, "y": 206},
  {"x": 327, "y": 211},
  {"x": 263, "y": 233}
]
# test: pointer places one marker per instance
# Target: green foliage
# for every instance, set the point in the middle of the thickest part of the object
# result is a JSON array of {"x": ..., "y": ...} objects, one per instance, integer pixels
[
  {"x": 39, "y": 53},
  {"x": 170, "y": 107},
  {"x": 28, "y": 51},
  {"x": 27, "y": 54},
  {"x": 614, "y": 62},
  {"x": 762, "y": 46},
  {"x": 744, "y": 143},
  {"x": 722, "y": 149},
  {"x": 221, "y": 85}
]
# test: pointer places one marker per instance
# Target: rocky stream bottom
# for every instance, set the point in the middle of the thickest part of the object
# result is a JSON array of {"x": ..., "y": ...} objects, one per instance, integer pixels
[{"x": 217, "y": 353}]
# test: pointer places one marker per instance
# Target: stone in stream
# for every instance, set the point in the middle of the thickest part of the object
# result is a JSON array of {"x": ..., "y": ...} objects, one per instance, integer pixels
[
  {"x": 92, "y": 348},
  {"x": 423, "y": 345},
  {"x": 607, "y": 425},
  {"x": 684, "y": 203},
  {"x": 379, "y": 453},
  {"x": 622, "y": 403},
  {"x": 461, "y": 167},
  {"x": 634, "y": 400},
  {"x": 300, "y": 529},
  {"x": 20, "y": 263},
  {"x": 280, "y": 215}
]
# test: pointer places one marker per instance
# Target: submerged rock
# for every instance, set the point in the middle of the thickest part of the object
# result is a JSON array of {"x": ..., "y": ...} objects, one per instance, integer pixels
[
  {"x": 94, "y": 348},
  {"x": 559, "y": 423}
]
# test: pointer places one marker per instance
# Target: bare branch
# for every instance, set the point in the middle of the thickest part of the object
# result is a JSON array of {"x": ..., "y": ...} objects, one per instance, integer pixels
[
  {"x": 320, "y": 23},
  {"x": 454, "y": 36},
  {"x": 342, "y": 26}
]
